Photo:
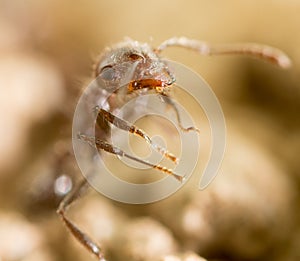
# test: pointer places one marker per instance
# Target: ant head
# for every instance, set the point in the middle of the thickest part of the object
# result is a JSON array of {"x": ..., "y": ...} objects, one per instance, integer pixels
[{"x": 132, "y": 62}]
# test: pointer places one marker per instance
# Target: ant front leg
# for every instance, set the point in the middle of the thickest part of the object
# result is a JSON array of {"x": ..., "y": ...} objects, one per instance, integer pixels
[
  {"x": 82, "y": 237},
  {"x": 106, "y": 116},
  {"x": 167, "y": 99}
]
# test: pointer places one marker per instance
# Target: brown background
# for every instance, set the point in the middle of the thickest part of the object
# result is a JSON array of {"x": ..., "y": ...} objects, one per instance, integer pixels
[{"x": 250, "y": 212}]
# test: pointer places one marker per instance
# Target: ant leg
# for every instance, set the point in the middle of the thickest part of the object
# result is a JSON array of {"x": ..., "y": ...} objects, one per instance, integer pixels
[
  {"x": 167, "y": 99},
  {"x": 124, "y": 125},
  {"x": 103, "y": 145},
  {"x": 83, "y": 238},
  {"x": 264, "y": 52}
]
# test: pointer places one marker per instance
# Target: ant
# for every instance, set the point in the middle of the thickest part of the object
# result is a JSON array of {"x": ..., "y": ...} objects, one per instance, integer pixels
[{"x": 150, "y": 74}]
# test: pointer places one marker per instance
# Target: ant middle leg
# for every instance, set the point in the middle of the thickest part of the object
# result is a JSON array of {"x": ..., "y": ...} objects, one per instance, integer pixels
[{"x": 102, "y": 145}]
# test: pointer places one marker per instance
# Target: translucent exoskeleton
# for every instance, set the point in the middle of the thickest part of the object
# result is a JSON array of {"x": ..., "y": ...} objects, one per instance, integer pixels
[{"x": 149, "y": 73}]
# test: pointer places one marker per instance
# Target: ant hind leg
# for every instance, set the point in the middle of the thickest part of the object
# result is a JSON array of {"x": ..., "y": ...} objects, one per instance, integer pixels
[{"x": 82, "y": 237}]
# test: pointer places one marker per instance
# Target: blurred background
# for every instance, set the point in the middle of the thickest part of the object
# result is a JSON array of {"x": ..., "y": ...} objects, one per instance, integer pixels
[{"x": 250, "y": 211}]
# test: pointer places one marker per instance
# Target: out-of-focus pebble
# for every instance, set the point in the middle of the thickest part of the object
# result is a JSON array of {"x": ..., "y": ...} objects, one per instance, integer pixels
[
  {"x": 30, "y": 89},
  {"x": 18, "y": 238},
  {"x": 98, "y": 218},
  {"x": 146, "y": 239},
  {"x": 244, "y": 212},
  {"x": 119, "y": 236},
  {"x": 185, "y": 257}
]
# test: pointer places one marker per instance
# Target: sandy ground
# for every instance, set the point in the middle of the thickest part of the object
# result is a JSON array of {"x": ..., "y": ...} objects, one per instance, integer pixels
[{"x": 249, "y": 212}]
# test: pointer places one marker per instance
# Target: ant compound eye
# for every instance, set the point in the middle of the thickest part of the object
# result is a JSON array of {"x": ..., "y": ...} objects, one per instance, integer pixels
[
  {"x": 107, "y": 73},
  {"x": 135, "y": 57}
]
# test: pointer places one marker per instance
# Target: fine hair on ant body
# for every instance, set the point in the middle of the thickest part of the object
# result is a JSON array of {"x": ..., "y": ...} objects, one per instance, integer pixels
[{"x": 151, "y": 73}]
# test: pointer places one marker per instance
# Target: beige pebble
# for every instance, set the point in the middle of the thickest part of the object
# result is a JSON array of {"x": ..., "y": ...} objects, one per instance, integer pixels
[
  {"x": 18, "y": 237},
  {"x": 146, "y": 239},
  {"x": 30, "y": 90}
]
